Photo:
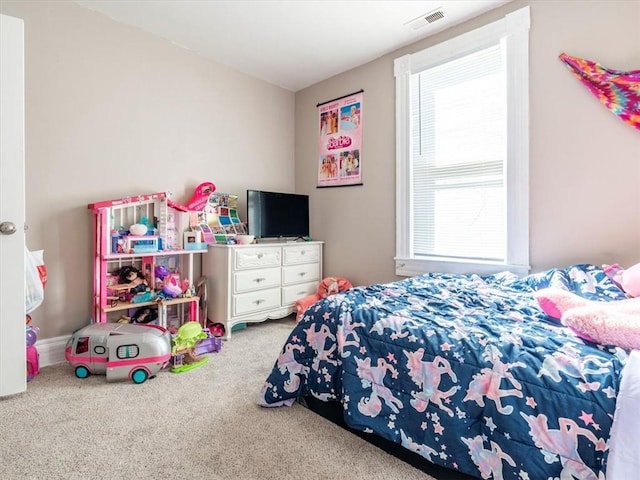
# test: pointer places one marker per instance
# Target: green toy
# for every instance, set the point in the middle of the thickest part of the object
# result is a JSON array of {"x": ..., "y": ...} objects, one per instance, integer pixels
[{"x": 183, "y": 346}]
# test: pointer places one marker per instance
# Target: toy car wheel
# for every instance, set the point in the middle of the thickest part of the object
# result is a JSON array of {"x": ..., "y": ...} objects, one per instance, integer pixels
[
  {"x": 82, "y": 372},
  {"x": 139, "y": 376}
]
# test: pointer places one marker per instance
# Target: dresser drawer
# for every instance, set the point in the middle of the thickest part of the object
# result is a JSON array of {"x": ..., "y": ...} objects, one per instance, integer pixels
[
  {"x": 245, "y": 258},
  {"x": 293, "y": 292},
  {"x": 247, "y": 280},
  {"x": 255, "y": 301},
  {"x": 295, "y": 254},
  {"x": 300, "y": 273}
]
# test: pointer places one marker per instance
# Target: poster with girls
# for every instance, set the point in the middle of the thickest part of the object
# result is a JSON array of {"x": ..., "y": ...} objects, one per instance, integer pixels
[{"x": 340, "y": 141}]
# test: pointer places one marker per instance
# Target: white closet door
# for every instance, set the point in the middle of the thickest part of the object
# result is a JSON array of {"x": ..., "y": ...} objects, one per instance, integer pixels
[{"x": 12, "y": 208}]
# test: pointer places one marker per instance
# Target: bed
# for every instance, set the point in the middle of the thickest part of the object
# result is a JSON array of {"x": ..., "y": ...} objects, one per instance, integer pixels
[{"x": 465, "y": 371}]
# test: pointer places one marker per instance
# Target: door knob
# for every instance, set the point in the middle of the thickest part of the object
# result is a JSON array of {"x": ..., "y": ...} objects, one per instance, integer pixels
[{"x": 7, "y": 228}]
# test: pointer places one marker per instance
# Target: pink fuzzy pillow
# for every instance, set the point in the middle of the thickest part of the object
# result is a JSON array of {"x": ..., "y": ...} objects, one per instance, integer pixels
[
  {"x": 608, "y": 323},
  {"x": 555, "y": 301},
  {"x": 604, "y": 326}
]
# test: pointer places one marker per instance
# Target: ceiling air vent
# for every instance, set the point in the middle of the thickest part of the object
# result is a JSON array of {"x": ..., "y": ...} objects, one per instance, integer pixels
[{"x": 426, "y": 19}]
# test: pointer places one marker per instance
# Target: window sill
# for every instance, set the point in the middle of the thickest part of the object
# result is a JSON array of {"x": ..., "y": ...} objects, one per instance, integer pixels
[{"x": 410, "y": 267}]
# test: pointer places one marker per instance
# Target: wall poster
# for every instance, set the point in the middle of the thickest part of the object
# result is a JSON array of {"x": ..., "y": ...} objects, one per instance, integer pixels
[{"x": 340, "y": 141}]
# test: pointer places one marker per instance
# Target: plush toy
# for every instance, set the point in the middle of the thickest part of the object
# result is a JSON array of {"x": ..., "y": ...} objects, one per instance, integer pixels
[
  {"x": 332, "y": 285},
  {"x": 305, "y": 302},
  {"x": 328, "y": 286},
  {"x": 608, "y": 323}
]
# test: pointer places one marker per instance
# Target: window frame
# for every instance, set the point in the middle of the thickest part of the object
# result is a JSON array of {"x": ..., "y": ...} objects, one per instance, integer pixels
[{"x": 514, "y": 29}]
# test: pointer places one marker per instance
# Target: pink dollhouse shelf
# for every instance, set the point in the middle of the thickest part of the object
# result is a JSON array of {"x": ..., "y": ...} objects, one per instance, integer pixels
[
  {"x": 132, "y": 201},
  {"x": 128, "y": 305},
  {"x": 111, "y": 219},
  {"x": 193, "y": 311},
  {"x": 115, "y": 256}
]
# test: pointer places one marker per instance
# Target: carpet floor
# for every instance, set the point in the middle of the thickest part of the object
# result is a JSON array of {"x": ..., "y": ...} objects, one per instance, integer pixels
[{"x": 201, "y": 424}]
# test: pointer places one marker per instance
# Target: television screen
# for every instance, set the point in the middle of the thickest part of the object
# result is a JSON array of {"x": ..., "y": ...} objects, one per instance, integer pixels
[{"x": 273, "y": 214}]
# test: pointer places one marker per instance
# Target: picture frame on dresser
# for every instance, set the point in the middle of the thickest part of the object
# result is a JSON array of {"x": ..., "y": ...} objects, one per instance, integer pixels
[{"x": 257, "y": 282}]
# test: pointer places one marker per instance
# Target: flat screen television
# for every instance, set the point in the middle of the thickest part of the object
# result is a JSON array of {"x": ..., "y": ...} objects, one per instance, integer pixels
[{"x": 277, "y": 215}]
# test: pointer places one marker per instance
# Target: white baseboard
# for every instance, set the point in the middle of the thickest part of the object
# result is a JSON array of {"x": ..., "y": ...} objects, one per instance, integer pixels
[{"x": 51, "y": 350}]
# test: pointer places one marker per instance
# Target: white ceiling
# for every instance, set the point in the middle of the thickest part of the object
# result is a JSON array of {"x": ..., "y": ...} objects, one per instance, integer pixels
[{"x": 294, "y": 43}]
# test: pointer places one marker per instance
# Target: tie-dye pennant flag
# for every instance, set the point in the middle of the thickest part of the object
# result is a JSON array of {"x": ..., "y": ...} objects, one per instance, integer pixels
[{"x": 618, "y": 90}]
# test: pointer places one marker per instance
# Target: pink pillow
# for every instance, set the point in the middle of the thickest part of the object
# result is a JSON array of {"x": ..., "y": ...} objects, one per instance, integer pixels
[
  {"x": 604, "y": 326},
  {"x": 608, "y": 323},
  {"x": 555, "y": 301}
]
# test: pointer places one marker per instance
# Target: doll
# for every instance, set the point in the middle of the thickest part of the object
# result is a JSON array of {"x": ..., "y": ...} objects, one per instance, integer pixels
[
  {"x": 145, "y": 315},
  {"x": 133, "y": 277}
]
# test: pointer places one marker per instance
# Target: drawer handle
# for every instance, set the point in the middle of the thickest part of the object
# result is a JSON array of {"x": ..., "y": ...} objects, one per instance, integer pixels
[
  {"x": 302, "y": 274},
  {"x": 258, "y": 280},
  {"x": 258, "y": 302},
  {"x": 260, "y": 255},
  {"x": 302, "y": 292}
]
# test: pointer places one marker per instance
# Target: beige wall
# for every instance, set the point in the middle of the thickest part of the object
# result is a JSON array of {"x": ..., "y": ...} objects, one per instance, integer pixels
[
  {"x": 112, "y": 111},
  {"x": 584, "y": 163}
]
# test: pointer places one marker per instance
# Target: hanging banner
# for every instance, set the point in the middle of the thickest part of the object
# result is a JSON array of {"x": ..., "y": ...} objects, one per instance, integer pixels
[
  {"x": 619, "y": 91},
  {"x": 340, "y": 145}
]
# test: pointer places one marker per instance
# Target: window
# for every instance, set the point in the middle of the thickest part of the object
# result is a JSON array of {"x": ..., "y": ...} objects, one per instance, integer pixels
[
  {"x": 127, "y": 351},
  {"x": 82, "y": 345},
  {"x": 462, "y": 194}
]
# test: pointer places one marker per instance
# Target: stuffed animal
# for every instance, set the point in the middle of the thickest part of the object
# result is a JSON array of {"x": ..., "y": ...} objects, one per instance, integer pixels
[
  {"x": 608, "y": 323},
  {"x": 328, "y": 286},
  {"x": 332, "y": 285}
]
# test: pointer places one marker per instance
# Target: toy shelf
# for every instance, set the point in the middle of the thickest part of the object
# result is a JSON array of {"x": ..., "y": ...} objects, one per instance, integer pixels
[
  {"x": 162, "y": 308},
  {"x": 129, "y": 305},
  {"x": 163, "y": 253},
  {"x": 114, "y": 247}
]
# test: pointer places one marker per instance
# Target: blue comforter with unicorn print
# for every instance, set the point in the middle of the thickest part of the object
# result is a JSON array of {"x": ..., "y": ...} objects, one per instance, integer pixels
[{"x": 464, "y": 370}]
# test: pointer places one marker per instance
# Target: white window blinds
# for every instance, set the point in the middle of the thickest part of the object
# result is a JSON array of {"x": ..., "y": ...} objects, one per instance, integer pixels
[{"x": 458, "y": 157}]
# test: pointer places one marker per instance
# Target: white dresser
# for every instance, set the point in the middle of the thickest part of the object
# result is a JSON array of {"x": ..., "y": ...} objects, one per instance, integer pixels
[{"x": 252, "y": 283}]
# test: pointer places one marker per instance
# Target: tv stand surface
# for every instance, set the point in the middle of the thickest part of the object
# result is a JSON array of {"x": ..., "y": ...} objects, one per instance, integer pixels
[{"x": 268, "y": 241}]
